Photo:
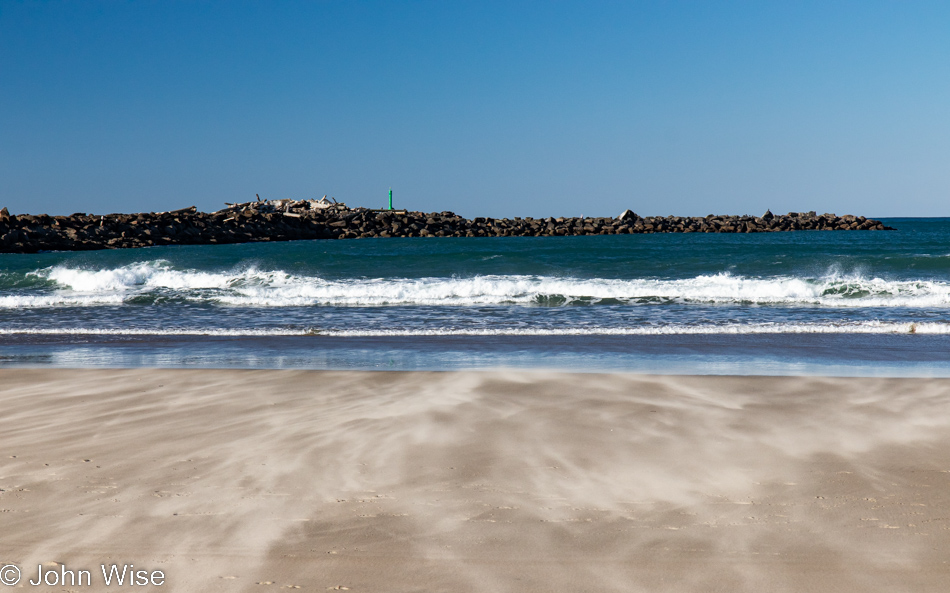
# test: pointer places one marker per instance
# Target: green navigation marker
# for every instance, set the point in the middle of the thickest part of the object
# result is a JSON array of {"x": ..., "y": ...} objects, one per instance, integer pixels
[{"x": 390, "y": 198}]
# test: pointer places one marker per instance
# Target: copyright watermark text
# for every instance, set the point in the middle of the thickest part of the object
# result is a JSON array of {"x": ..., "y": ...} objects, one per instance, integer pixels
[{"x": 107, "y": 575}]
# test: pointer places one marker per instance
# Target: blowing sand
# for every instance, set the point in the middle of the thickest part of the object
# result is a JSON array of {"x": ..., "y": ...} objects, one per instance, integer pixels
[{"x": 390, "y": 482}]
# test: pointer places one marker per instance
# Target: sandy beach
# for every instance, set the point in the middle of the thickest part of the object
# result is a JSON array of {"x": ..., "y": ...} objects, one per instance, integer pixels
[{"x": 521, "y": 481}]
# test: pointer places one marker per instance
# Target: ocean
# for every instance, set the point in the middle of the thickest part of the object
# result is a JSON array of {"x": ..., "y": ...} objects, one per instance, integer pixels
[{"x": 863, "y": 303}]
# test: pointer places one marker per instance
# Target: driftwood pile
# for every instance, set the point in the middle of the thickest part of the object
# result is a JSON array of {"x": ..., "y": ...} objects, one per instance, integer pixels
[{"x": 288, "y": 220}]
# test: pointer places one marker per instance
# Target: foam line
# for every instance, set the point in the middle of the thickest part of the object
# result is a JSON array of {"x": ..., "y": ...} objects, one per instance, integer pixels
[{"x": 867, "y": 327}]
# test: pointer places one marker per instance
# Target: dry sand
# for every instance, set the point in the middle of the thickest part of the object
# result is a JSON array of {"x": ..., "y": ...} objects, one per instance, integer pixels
[{"x": 390, "y": 482}]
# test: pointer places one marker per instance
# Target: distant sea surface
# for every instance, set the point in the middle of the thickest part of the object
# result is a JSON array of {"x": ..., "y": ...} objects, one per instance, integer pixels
[{"x": 840, "y": 303}]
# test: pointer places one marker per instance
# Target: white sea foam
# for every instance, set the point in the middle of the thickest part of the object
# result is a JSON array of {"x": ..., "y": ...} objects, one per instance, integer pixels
[
  {"x": 872, "y": 327},
  {"x": 144, "y": 275},
  {"x": 865, "y": 327},
  {"x": 123, "y": 331},
  {"x": 58, "y": 300},
  {"x": 254, "y": 287}
]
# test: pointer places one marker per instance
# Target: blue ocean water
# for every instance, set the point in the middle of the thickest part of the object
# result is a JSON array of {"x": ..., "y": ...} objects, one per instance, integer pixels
[{"x": 777, "y": 303}]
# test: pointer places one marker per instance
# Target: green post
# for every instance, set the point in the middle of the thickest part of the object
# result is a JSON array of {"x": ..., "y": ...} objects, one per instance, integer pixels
[{"x": 390, "y": 198}]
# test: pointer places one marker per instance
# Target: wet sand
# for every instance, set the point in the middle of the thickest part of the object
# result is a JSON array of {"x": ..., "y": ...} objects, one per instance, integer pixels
[{"x": 477, "y": 481}]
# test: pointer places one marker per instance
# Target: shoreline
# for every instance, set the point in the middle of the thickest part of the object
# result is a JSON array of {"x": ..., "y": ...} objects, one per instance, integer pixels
[
  {"x": 289, "y": 220},
  {"x": 831, "y": 355},
  {"x": 478, "y": 481}
]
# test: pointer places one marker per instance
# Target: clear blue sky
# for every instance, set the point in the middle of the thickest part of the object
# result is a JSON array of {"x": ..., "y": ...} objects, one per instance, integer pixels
[{"x": 483, "y": 108}]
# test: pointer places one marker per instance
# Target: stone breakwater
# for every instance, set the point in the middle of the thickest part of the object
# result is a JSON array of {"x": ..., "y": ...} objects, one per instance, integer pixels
[{"x": 290, "y": 220}]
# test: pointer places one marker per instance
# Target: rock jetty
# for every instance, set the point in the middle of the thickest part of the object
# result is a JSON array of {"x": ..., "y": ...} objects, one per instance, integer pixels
[{"x": 289, "y": 220}]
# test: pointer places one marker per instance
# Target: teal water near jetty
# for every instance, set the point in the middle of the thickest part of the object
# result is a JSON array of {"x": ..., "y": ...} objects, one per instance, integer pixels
[{"x": 863, "y": 302}]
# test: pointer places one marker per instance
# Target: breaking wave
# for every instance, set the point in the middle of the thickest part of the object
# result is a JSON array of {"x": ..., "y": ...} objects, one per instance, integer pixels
[{"x": 71, "y": 286}]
